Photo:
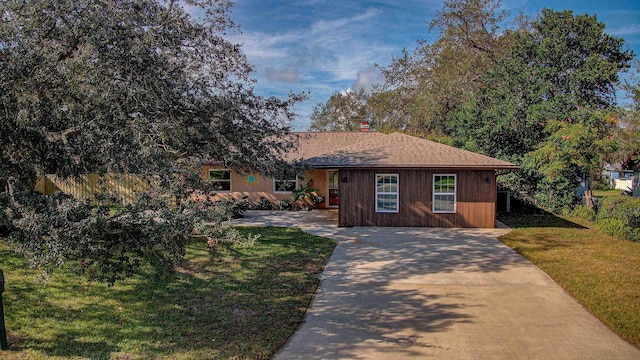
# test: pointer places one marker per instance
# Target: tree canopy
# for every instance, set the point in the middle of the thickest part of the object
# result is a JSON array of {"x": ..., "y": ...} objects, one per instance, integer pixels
[
  {"x": 549, "y": 105},
  {"x": 140, "y": 87},
  {"x": 627, "y": 133},
  {"x": 130, "y": 87},
  {"x": 341, "y": 112},
  {"x": 540, "y": 93}
]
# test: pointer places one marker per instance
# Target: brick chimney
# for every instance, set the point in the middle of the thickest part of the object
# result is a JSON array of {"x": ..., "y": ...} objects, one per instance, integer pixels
[{"x": 364, "y": 126}]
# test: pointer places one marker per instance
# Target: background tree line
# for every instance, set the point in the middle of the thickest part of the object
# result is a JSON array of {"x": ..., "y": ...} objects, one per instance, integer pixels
[{"x": 540, "y": 93}]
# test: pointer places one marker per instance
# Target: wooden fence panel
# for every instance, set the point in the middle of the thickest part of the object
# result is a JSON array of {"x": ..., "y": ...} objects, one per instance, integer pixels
[{"x": 107, "y": 189}]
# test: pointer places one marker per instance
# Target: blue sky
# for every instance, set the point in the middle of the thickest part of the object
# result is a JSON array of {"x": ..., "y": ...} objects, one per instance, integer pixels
[{"x": 325, "y": 46}]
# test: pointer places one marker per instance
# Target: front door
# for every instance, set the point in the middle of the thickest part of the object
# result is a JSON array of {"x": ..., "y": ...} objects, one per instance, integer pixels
[{"x": 332, "y": 188}]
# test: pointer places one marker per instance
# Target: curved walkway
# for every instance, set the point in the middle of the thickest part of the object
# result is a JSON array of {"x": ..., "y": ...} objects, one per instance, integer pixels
[{"x": 402, "y": 293}]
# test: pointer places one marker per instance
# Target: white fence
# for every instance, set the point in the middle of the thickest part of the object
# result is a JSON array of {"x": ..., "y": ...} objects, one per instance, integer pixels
[{"x": 624, "y": 184}]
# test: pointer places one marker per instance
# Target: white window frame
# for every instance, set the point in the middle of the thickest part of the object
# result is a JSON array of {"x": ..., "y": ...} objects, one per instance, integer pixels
[
  {"x": 396, "y": 193},
  {"x": 284, "y": 192},
  {"x": 222, "y": 180},
  {"x": 454, "y": 193}
]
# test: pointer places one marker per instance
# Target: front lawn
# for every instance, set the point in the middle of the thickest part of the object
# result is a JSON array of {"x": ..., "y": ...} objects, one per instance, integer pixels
[
  {"x": 242, "y": 304},
  {"x": 601, "y": 272}
]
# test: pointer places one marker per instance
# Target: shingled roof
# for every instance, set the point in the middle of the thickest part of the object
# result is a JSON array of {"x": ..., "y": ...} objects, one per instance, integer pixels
[{"x": 374, "y": 149}]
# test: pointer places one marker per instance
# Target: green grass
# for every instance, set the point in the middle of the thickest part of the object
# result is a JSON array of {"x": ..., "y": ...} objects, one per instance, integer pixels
[
  {"x": 601, "y": 272},
  {"x": 604, "y": 193},
  {"x": 242, "y": 304}
]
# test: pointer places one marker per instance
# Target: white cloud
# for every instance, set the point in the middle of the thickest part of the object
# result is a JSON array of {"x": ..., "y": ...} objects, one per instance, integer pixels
[
  {"x": 289, "y": 74},
  {"x": 262, "y": 46},
  {"x": 631, "y": 29},
  {"x": 322, "y": 46},
  {"x": 367, "y": 79},
  {"x": 343, "y": 25},
  {"x": 336, "y": 49}
]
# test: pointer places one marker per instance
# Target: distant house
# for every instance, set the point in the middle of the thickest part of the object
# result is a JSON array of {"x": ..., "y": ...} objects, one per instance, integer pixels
[
  {"x": 377, "y": 179},
  {"x": 624, "y": 176},
  {"x": 620, "y": 179}
]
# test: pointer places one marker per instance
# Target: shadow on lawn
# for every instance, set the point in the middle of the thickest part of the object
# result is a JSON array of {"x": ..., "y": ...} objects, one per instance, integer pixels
[
  {"x": 244, "y": 303},
  {"x": 64, "y": 329},
  {"x": 524, "y": 215}
]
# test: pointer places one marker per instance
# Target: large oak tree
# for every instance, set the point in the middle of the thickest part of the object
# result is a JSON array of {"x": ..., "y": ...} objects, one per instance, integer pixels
[{"x": 146, "y": 87}]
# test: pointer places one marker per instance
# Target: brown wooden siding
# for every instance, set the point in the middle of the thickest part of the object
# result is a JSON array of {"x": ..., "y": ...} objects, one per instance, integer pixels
[{"x": 475, "y": 196}]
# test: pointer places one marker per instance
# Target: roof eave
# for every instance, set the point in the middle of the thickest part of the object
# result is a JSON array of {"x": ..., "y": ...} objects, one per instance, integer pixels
[{"x": 413, "y": 166}]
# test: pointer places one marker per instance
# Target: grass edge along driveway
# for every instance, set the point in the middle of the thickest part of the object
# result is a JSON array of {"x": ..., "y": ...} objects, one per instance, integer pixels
[
  {"x": 600, "y": 271},
  {"x": 243, "y": 303}
]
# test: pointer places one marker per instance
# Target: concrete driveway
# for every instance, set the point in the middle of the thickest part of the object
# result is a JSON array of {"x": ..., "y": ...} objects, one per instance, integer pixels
[{"x": 402, "y": 293}]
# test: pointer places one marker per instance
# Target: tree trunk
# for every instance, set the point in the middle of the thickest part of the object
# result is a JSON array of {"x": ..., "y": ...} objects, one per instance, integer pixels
[{"x": 588, "y": 198}]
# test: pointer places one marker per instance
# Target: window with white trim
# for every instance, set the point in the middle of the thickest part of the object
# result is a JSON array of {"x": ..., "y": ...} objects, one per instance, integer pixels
[
  {"x": 444, "y": 193},
  {"x": 386, "y": 192},
  {"x": 284, "y": 186},
  {"x": 221, "y": 179}
]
